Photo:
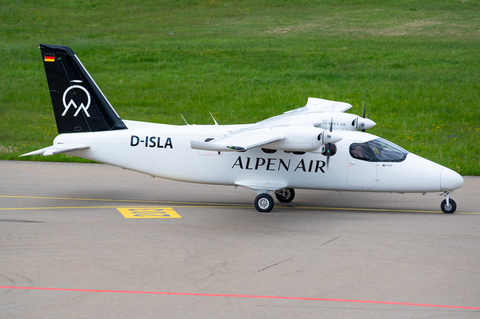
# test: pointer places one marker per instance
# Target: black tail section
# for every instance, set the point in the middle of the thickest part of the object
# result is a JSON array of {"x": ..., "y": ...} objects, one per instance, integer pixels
[{"x": 78, "y": 103}]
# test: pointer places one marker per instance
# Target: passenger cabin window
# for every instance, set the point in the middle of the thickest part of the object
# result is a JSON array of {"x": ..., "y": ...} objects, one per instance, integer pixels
[
  {"x": 378, "y": 150},
  {"x": 268, "y": 150}
]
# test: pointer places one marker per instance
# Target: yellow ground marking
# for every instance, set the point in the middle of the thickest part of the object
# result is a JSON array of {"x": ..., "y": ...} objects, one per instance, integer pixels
[
  {"x": 150, "y": 212},
  {"x": 96, "y": 207},
  {"x": 119, "y": 200},
  {"x": 210, "y": 205}
]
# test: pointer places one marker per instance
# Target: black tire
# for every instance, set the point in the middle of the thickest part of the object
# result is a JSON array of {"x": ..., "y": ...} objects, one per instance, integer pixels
[
  {"x": 450, "y": 209},
  {"x": 285, "y": 195},
  {"x": 264, "y": 203}
]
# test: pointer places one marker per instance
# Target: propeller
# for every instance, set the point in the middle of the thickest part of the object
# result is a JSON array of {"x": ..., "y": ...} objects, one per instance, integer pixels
[
  {"x": 328, "y": 147},
  {"x": 362, "y": 122},
  {"x": 329, "y": 139},
  {"x": 363, "y": 113}
]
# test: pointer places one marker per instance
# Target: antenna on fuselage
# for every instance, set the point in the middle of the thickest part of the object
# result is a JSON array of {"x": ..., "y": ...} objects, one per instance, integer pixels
[
  {"x": 213, "y": 118},
  {"x": 184, "y": 119}
]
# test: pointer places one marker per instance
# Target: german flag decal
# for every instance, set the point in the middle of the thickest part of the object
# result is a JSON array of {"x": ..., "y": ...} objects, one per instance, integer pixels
[{"x": 49, "y": 58}]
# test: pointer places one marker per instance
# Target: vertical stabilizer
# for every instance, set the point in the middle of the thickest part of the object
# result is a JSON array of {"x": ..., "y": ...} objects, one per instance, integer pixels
[{"x": 78, "y": 103}]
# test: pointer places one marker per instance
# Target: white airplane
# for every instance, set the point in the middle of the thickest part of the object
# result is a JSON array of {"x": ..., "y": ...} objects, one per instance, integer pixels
[{"x": 317, "y": 146}]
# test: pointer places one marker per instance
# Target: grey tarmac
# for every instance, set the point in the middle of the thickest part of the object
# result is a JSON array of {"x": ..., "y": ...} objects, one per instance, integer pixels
[{"x": 67, "y": 250}]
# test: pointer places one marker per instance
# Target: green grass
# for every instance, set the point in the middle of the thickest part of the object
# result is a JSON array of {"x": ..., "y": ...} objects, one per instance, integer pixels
[{"x": 244, "y": 61}]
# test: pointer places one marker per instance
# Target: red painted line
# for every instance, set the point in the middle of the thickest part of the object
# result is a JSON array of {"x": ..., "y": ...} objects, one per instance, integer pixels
[{"x": 241, "y": 296}]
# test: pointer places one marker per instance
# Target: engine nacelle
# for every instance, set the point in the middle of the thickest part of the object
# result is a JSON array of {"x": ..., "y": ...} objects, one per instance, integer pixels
[
  {"x": 330, "y": 137},
  {"x": 342, "y": 121},
  {"x": 301, "y": 139},
  {"x": 364, "y": 123}
]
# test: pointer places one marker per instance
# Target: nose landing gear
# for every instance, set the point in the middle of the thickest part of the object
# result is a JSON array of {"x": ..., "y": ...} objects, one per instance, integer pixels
[{"x": 448, "y": 205}]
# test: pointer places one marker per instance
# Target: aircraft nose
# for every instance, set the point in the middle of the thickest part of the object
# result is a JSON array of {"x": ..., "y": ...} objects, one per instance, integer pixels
[{"x": 450, "y": 180}]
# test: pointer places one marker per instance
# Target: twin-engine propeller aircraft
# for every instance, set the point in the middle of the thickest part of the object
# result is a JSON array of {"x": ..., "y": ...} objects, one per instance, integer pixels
[{"x": 317, "y": 146}]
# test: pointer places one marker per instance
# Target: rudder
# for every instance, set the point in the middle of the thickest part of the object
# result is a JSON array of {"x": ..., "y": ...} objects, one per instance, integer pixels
[{"x": 78, "y": 103}]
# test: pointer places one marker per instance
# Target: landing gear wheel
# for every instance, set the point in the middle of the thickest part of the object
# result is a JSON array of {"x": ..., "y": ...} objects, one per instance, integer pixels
[
  {"x": 264, "y": 203},
  {"x": 285, "y": 195},
  {"x": 450, "y": 208}
]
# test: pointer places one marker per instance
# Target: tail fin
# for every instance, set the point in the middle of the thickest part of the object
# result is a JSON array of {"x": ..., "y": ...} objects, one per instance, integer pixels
[{"x": 78, "y": 103}]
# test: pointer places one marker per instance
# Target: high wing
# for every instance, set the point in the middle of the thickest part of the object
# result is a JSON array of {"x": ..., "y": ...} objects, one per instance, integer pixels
[
  {"x": 295, "y": 130},
  {"x": 316, "y": 105}
]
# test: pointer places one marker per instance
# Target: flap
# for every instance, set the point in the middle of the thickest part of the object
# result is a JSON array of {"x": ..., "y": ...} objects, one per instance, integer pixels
[{"x": 240, "y": 141}]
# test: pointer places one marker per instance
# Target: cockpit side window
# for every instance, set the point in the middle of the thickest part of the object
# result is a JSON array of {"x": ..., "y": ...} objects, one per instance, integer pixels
[
  {"x": 378, "y": 150},
  {"x": 386, "y": 151},
  {"x": 362, "y": 152}
]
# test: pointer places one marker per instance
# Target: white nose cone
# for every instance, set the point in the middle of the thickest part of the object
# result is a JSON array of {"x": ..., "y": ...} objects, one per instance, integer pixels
[
  {"x": 331, "y": 137},
  {"x": 450, "y": 180},
  {"x": 364, "y": 123}
]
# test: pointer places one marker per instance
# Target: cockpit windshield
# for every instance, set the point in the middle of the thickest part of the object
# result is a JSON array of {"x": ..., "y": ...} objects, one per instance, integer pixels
[{"x": 378, "y": 150}]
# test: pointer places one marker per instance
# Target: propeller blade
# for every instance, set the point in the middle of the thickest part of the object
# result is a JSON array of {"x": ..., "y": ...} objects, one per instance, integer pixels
[
  {"x": 363, "y": 115},
  {"x": 329, "y": 144},
  {"x": 328, "y": 153},
  {"x": 363, "y": 111}
]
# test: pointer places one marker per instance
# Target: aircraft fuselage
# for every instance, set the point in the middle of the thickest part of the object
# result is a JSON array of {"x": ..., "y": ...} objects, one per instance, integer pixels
[{"x": 164, "y": 151}]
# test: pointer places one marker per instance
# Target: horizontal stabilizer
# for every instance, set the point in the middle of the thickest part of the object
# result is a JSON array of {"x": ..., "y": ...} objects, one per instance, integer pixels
[{"x": 57, "y": 149}]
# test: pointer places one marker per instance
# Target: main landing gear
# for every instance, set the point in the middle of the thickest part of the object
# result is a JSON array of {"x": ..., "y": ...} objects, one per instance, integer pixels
[
  {"x": 264, "y": 202},
  {"x": 285, "y": 195},
  {"x": 448, "y": 205}
]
